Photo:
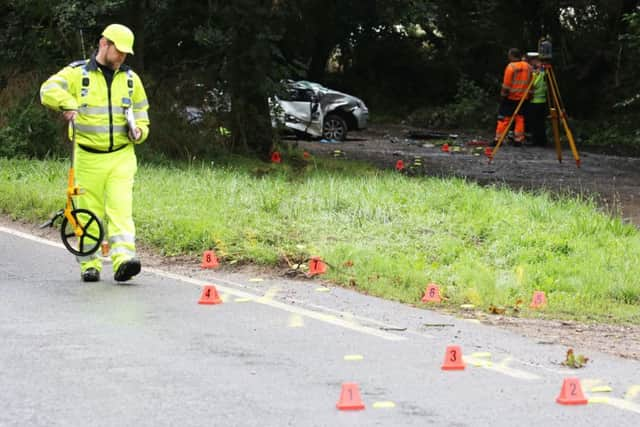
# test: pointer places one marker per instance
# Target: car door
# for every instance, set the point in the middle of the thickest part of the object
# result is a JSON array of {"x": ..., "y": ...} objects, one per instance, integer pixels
[{"x": 301, "y": 110}]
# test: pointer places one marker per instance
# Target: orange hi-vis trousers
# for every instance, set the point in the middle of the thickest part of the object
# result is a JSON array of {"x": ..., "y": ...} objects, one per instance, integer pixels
[{"x": 518, "y": 133}]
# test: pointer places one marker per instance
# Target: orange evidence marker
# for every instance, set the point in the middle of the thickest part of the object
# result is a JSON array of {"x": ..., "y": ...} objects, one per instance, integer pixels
[
  {"x": 317, "y": 266},
  {"x": 445, "y": 148},
  {"x": 400, "y": 165},
  {"x": 453, "y": 359},
  {"x": 488, "y": 152},
  {"x": 432, "y": 293},
  {"x": 539, "y": 300},
  {"x": 210, "y": 296},
  {"x": 209, "y": 260},
  {"x": 571, "y": 393},
  {"x": 350, "y": 398},
  {"x": 275, "y": 157}
]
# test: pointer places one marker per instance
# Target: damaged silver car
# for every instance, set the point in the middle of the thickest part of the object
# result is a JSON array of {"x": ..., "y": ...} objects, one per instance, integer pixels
[{"x": 308, "y": 108}]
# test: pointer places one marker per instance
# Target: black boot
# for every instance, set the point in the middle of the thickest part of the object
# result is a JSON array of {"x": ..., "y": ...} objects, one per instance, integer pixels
[
  {"x": 90, "y": 275},
  {"x": 127, "y": 270}
]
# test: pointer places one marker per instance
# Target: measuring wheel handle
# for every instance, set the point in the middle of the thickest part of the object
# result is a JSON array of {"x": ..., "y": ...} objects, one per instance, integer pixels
[{"x": 53, "y": 219}]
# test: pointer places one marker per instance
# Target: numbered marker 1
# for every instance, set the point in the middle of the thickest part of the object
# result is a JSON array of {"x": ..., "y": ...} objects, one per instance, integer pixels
[{"x": 350, "y": 398}]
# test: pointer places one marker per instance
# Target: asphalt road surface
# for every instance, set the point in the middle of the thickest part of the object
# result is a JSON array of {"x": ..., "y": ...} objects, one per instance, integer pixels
[{"x": 275, "y": 353}]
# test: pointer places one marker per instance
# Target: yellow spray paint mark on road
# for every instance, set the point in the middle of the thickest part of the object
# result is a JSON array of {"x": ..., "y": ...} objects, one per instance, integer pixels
[
  {"x": 482, "y": 355},
  {"x": 476, "y": 321},
  {"x": 479, "y": 359},
  {"x": 595, "y": 385},
  {"x": 322, "y": 289},
  {"x": 256, "y": 279},
  {"x": 243, "y": 300},
  {"x": 632, "y": 392},
  {"x": 353, "y": 357},
  {"x": 601, "y": 389},
  {"x": 296, "y": 321},
  {"x": 384, "y": 405},
  {"x": 479, "y": 363},
  {"x": 501, "y": 367}
]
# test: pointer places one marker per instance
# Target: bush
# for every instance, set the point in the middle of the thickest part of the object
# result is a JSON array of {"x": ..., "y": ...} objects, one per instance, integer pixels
[
  {"x": 618, "y": 137},
  {"x": 470, "y": 108},
  {"x": 29, "y": 130},
  {"x": 175, "y": 133}
]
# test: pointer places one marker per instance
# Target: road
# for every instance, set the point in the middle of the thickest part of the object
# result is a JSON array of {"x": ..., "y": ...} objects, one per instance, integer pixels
[{"x": 275, "y": 353}]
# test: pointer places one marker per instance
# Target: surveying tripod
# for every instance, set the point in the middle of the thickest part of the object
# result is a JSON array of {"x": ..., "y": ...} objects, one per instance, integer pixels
[{"x": 557, "y": 113}]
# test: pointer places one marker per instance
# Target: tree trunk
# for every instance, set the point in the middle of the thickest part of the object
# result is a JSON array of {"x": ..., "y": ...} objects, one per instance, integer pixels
[
  {"x": 139, "y": 10},
  {"x": 248, "y": 73}
]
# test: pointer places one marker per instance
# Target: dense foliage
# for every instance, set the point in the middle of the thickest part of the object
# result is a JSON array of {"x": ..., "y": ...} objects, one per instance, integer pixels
[{"x": 400, "y": 56}]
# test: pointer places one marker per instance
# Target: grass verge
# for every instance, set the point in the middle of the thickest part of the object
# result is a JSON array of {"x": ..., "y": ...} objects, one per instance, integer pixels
[{"x": 381, "y": 232}]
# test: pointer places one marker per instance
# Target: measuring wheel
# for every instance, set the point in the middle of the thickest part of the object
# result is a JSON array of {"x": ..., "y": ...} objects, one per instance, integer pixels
[{"x": 91, "y": 234}]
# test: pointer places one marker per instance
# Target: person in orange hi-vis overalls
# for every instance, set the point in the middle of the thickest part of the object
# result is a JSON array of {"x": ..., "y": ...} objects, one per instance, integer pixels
[{"x": 517, "y": 76}]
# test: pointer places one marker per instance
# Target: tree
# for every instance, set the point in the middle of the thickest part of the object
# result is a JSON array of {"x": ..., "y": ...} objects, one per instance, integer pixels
[{"x": 242, "y": 39}]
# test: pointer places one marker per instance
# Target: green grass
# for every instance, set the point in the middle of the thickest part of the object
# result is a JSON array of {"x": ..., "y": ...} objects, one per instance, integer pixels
[{"x": 484, "y": 246}]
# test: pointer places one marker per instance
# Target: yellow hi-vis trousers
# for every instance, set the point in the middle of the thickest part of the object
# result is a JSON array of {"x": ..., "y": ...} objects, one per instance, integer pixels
[{"x": 107, "y": 181}]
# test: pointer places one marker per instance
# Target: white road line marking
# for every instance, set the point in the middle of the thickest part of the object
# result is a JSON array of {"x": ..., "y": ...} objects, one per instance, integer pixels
[
  {"x": 279, "y": 305},
  {"x": 501, "y": 367},
  {"x": 625, "y": 405},
  {"x": 31, "y": 237},
  {"x": 350, "y": 316},
  {"x": 271, "y": 293},
  {"x": 326, "y": 318}
]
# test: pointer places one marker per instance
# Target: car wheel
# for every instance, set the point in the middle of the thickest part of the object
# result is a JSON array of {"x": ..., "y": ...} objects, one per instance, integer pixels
[{"x": 334, "y": 127}]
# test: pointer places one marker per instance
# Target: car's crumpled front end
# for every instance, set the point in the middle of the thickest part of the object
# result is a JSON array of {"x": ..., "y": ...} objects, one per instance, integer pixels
[{"x": 315, "y": 110}]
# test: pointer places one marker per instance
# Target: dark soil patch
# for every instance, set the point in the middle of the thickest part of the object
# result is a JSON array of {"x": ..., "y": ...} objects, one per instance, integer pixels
[{"x": 612, "y": 181}]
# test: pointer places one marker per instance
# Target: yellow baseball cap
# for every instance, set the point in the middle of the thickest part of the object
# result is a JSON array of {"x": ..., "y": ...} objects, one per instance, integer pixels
[{"x": 121, "y": 36}]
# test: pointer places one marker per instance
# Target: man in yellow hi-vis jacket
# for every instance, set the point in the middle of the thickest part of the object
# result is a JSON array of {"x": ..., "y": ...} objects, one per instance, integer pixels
[{"x": 97, "y": 95}]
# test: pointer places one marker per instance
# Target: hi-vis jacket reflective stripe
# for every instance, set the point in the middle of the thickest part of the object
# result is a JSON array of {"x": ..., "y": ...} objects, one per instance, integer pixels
[
  {"x": 101, "y": 120},
  {"x": 517, "y": 76}
]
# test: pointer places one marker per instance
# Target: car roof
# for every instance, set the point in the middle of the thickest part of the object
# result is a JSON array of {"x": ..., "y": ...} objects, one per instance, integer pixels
[{"x": 305, "y": 84}]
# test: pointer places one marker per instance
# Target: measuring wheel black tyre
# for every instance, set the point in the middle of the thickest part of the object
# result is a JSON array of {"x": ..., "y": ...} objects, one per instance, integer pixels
[
  {"x": 92, "y": 233},
  {"x": 334, "y": 127}
]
